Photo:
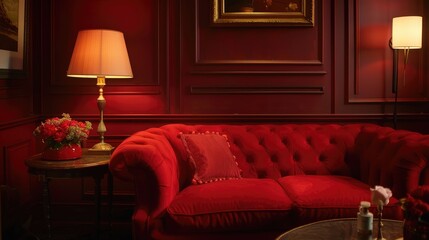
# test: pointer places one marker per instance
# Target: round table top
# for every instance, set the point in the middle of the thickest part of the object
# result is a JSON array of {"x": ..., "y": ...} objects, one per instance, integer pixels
[
  {"x": 341, "y": 229},
  {"x": 86, "y": 161}
]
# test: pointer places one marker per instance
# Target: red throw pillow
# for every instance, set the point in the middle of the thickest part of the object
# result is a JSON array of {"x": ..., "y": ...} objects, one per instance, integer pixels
[{"x": 211, "y": 156}]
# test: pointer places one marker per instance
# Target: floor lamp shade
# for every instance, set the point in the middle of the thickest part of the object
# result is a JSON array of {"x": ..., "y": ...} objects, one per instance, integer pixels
[
  {"x": 406, "y": 35},
  {"x": 407, "y": 32},
  {"x": 100, "y": 53}
]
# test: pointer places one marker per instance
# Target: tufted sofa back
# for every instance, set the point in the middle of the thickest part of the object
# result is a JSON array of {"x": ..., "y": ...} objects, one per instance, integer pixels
[
  {"x": 157, "y": 161},
  {"x": 274, "y": 151}
]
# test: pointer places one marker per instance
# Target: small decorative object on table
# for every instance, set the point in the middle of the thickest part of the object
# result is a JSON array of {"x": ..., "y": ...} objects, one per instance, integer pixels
[
  {"x": 416, "y": 212},
  {"x": 62, "y": 137},
  {"x": 364, "y": 221},
  {"x": 380, "y": 197}
]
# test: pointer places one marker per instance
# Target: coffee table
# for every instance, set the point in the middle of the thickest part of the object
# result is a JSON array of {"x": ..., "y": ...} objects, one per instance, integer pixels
[{"x": 340, "y": 229}]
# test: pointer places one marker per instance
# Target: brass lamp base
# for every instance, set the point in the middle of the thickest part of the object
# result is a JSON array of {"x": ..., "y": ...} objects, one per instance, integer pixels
[{"x": 101, "y": 147}]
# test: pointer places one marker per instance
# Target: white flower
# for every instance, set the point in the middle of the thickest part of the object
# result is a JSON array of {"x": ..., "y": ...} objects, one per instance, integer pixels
[{"x": 380, "y": 195}]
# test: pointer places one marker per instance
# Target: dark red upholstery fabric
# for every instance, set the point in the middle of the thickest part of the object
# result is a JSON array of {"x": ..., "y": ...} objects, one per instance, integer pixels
[
  {"x": 156, "y": 160},
  {"x": 326, "y": 197},
  {"x": 273, "y": 151},
  {"x": 211, "y": 156},
  {"x": 148, "y": 159},
  {"x": 391, "y": 158},
  {"x": 230, "y": 205}
]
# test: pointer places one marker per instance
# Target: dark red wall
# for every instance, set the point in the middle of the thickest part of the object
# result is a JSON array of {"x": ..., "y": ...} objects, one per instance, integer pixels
[
  {"x": 188, "y": 70},
  {"x": 184, "y": 64}
]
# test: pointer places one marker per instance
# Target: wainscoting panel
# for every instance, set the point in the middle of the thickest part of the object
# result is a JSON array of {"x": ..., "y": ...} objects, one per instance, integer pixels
[
  {"x": 144, "y": 24},
  {"x": 15, "y": 171},
  {"x": 268, "y": 69},
  {"x": 370, "y": 73}
]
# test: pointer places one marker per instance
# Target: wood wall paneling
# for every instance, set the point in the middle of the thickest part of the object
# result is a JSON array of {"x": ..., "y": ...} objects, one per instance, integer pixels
[
  {"x": 254, "y": 45},
  {"x": 253, "y": 69},
  {"x": 17, "y": 143},
  {"x": 184, "y": 64},
  {"x": 144, "y": 26},
  {"x": 371, "y": 79},
  {"x": 15, "y": 171},
  {"x": 187, "y": 70}
]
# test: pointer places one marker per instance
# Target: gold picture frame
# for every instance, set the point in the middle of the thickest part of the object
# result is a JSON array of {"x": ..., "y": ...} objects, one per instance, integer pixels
[
  {"x": 13, "y": 39},
  {"x": 263, "y": 12}
]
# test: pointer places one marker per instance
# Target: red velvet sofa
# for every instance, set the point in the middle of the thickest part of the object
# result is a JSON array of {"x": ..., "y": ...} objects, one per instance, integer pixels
[{"x": 291, "y": 174}]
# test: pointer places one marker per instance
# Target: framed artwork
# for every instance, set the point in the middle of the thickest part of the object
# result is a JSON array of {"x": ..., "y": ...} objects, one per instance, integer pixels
[
  {"x": 263, "y": 12},
  {"x": 12, "y": 38}
]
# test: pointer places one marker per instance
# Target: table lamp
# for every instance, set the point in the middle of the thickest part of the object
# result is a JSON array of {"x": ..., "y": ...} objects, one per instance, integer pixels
[
  {"x": 100, "y": 54},
  {"x": 406, "y": 35}
]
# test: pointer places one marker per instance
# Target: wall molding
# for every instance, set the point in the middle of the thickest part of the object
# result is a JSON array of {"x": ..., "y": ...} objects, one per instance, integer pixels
[
  {"x": 262, "y": 72},
  {"x": 256, "y": 90},
  {"x": 14, "y": 92},
  {"x": 20, "y": 122},
  {"x": 8, "y": 151},
  {"x": 158, "y": 119},
  {"x": 160, "y": 59},
  {"x": 362, "y": 39},
  {"x": 108, "y": 90},
  {"x": 199, "y": 61}
]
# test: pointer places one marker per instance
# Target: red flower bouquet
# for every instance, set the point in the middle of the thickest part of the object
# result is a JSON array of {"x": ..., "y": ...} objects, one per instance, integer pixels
[
  {"x": 58, "y": 132},
  {"x": 416, "y": 211}
]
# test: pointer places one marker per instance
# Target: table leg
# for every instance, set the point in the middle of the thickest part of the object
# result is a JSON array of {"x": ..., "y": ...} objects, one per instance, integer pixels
[
  {"x": 97, "y": 191},
  {"x": 47, "y": 205},
  {"x": 109, "y": 197}
]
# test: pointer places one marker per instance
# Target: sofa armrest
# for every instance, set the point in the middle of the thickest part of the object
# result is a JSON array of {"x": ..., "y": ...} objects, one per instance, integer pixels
[
  {"x": 148, "y": 159},
  {"x": 392, "y": 158}
]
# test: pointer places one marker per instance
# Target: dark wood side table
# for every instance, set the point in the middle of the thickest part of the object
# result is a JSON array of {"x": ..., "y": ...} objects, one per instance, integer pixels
[{"x": 91, "y": 164}]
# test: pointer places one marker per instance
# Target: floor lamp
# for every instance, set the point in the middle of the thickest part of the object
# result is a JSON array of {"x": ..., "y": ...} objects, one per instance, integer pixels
[
  {"x": 406, "y": 35},
  {"x": 100, "y": 54}
]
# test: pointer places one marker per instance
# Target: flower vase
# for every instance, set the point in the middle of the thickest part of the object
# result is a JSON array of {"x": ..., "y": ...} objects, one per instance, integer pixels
[
  {"x": 380, "y": 222},
  {"x": 66, "y": 152}
]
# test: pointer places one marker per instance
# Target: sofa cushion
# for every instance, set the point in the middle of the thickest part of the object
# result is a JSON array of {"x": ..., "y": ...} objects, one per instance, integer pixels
[
  {"x": 326, "y": 197},
  {"x": 230, "y": 205},
  {"x": 211, "y": 156}
]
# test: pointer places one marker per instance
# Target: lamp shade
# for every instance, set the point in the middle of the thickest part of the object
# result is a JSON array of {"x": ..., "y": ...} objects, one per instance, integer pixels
[
  {"x": 100, "y": 53},
  {"x": 407, "y": 32}
]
